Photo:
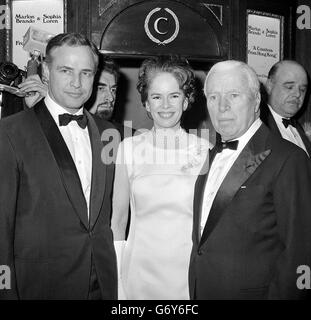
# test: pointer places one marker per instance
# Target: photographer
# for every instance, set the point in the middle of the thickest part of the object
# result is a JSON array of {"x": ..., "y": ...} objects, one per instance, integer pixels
[{"x": 10, "y": 76}]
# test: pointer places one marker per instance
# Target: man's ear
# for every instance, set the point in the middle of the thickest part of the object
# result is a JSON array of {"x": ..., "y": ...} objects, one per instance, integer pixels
[
  {"x": 269, "y": 86},
  {"x": 45, "y": 72},
  {"x": 257, "y": 99}
]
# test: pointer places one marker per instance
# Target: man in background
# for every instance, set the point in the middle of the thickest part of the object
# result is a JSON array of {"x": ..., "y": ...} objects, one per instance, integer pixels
[
  {"x": 286, "y": 88},
  {"x": 105, "y": 92},
  {"x": 106, "y": 89}
]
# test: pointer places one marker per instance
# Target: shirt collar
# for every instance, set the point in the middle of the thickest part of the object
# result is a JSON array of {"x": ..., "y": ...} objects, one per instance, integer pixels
[
  {"x": 55, "y": 109},
  {"x": 243, "y": 140},
  {"x": 278, "y": 118}
]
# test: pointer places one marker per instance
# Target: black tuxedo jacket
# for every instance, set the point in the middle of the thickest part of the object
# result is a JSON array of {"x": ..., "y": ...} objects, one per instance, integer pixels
[
  {"x": 46, "y": 237},
  {"x": 259, "y": 227},
  {"x": 267, "y": 118}
]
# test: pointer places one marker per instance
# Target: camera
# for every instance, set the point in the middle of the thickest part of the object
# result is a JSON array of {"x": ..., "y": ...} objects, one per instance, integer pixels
[{"x": 10, "y": 75}]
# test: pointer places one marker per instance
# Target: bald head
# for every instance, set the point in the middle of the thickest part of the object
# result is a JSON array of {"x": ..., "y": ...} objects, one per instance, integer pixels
[{"x": 286, "y": 87}]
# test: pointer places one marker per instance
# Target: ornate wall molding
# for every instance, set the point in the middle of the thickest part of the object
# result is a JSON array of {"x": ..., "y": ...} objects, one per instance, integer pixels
[{"x": 216, "y": 10}]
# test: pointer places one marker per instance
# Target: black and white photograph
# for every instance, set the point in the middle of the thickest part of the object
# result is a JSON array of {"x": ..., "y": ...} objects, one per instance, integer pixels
[{"x": 155, "y": 154}]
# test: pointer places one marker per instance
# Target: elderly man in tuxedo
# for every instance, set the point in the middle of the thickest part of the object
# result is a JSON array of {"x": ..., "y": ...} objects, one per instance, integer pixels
[
  {"x": 55, "y": 190},
  {"x": 286, "y": 88},
  {"x": 252, "y": 219}
]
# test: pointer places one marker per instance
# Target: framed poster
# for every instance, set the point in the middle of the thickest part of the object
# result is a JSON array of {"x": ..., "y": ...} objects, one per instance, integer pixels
[
  {"x": 45, "y": 15},
  {"x": 264, "y": 41}
]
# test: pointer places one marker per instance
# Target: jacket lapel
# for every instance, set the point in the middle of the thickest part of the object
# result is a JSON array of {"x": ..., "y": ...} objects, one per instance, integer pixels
[
  {"x": 245, "y": 165},
  {"x": 68, "y": 171},
  {"x": 304, "y": 138},
  {"x": 267, "y": 118},
  {"x": 199, "y": 193},
  {"x": 98, "y": 171},
  {"x": 272, "y": 125}
]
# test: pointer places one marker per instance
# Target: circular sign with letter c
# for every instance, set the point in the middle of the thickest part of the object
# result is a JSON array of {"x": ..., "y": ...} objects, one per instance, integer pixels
[{"x": 158, "y": 30}]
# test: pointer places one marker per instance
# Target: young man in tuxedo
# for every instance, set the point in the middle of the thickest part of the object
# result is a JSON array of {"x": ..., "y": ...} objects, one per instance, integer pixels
[
  {"x": 55, "y": 190},
  {"x": 286, "y": 88},
  {"x": 103, "y": 98},
  {"x": 252, "y": 219}
]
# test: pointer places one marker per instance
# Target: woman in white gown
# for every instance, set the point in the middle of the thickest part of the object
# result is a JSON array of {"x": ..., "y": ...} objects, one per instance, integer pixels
[{"x": 155, "y": 173}]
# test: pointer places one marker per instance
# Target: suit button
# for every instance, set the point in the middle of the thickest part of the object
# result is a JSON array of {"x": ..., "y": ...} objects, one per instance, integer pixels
[{"x": 200, "y": 252}]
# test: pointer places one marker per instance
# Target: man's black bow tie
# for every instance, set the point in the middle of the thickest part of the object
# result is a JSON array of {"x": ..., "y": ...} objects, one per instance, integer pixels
[
  {"x": 287, "y": 122},
  {"x": 220, "y": 146},
  {"x": 65, "y": 118}
]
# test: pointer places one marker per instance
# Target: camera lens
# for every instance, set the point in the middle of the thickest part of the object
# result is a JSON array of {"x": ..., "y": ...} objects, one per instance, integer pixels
[{"x": 8, "y": 72}]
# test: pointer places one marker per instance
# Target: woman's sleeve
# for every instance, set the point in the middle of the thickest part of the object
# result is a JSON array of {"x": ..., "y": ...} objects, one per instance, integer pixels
[{"x": 121, "y": 194}]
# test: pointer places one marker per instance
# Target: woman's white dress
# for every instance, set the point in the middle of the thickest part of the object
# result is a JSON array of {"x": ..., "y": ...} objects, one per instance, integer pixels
[{"x": 162, "y": 168}]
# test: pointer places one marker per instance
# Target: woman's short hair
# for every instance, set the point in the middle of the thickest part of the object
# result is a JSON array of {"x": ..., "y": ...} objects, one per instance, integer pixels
[
  {"x": 71, "y": 40},
  {"x": 178, "y": 67}
]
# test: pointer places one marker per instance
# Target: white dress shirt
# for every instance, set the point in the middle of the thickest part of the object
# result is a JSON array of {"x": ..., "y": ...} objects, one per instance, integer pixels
[
  {"x": 220, "y": 166},
  {"x": 290, "y": 133},
  {"x": 78, "y": 143}
]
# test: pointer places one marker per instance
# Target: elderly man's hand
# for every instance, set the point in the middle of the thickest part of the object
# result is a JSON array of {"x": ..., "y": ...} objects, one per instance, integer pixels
[{"x": 35, "y": 90}]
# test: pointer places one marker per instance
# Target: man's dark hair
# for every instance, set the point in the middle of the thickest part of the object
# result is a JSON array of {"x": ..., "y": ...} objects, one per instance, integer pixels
[
  {"x": 111, "y": 67},
  {"x": 71, "y": 40}
]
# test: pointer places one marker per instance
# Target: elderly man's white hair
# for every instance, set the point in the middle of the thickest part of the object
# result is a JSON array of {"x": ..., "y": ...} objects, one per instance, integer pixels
[{"x": 249, "y": 72}]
